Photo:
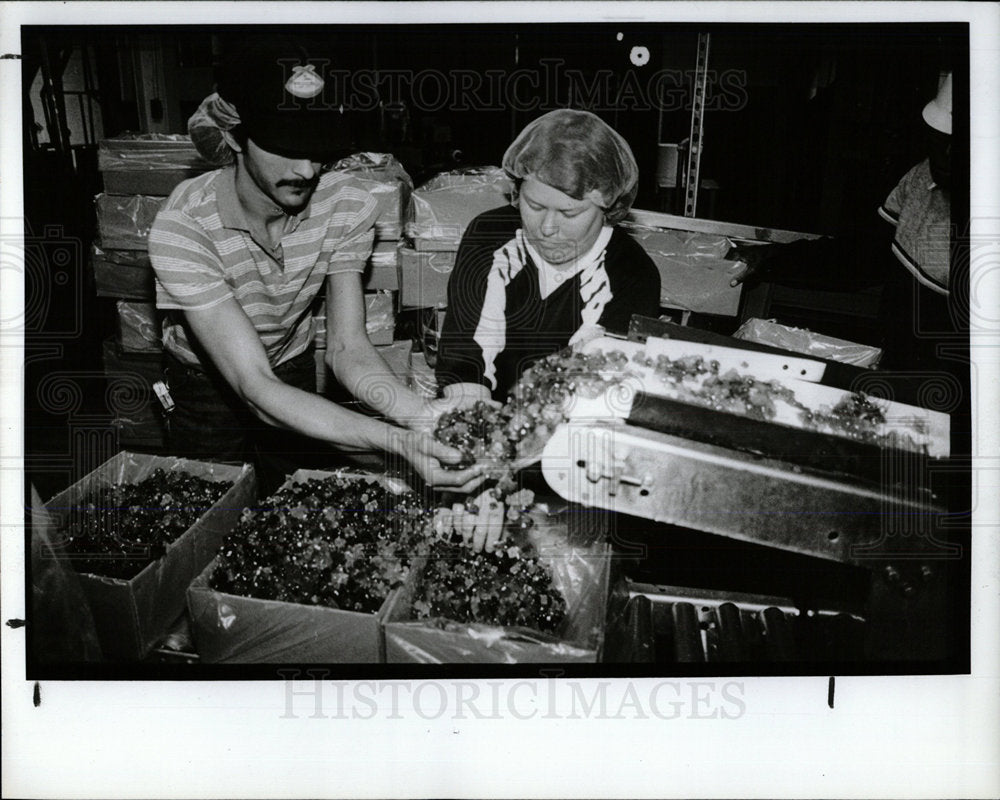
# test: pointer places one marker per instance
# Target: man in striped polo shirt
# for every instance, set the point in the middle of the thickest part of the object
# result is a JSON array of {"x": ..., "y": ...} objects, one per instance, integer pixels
[{"x": 240, "y": 255}]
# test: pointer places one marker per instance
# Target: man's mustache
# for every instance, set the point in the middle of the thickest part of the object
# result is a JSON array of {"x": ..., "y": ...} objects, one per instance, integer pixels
[{"x": 299, "y": 184}]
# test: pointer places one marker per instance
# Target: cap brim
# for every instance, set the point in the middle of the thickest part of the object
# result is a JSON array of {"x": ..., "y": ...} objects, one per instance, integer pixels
[{"x": 316, "y": 135}]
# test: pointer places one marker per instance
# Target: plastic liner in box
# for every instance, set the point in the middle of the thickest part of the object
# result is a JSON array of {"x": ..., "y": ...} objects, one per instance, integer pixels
[
  {"x": 63, "y": 626},
  {"x": 800, "y": 340},
  {"x": 386, "y": 180},
  {"x": 127, "y": 274},
  {"x": 229, "y": 628},
  {"x": 444, "y": 206},
  {"x": 139, "y": 327},
  {"x": 131, "y": 616},
  {"x": 579, "y": 573},
  {"x": 123, "y": 221},
  {"x": 694, "y": 272}
]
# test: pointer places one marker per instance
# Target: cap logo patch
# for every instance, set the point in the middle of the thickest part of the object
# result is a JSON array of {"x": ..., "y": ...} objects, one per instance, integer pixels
[{"x": 304, "y": 83}]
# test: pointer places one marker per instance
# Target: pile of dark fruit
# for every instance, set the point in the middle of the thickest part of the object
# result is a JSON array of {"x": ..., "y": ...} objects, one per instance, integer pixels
[
  {"x": 337, "y": 542},
  {"x": 508, "y": 587},
  {"x": 119, "y": 529}
]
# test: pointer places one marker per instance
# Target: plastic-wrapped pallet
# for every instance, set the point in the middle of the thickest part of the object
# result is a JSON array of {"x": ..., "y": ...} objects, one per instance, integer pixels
[
  {"x": 148, "y": 163},
  {"x": 130, "y": 377},
  {"x": 382, "y": 271},
  {"x": 445, "y": 205},
  {"x": 139, "y": 329},
  {"x": 423, "y": 277},
  {"x": 694, "y": 272},
  {"x": 384, "y": 177},
  {"x": 127, "y": 274},
  {"x": 123, "y": 221}
]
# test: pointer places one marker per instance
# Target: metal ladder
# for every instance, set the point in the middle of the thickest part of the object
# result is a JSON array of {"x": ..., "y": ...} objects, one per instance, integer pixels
[{"x": 697, "y": 127}]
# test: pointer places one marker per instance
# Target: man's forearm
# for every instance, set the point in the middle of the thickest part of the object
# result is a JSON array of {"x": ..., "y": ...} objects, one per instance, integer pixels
[{"x": 285, "y": 406}]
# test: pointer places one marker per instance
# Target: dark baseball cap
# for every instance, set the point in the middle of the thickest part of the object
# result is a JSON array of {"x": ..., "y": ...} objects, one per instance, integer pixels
[{"x": 279, "y": 89}]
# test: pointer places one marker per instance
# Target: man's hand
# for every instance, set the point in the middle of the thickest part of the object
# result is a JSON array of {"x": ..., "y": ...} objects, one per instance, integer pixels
[
  {"x": 480, "y": 522},
  {"x": 754, "y": 262},
  {"x": 427, "y": 457},
  {"x": 456, "y": 396}
]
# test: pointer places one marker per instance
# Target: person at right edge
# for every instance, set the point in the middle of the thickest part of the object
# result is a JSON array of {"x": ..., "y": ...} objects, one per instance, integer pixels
[
  {"x": 915, "y": 298},
  {"x": 921, "y": 342}
]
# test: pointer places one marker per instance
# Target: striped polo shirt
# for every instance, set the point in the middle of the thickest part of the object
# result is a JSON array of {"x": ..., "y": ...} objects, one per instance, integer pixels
[{"x": 203, "y": 252}]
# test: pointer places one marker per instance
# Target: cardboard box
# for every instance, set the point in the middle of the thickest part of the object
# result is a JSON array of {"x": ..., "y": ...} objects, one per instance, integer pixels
[
  {"x": 229, "y": 628},
  {"x": 322, "y": 377},
  {"x": 123, "y": 221},
  {"x": 386, "y": 180},
  {"x": 800, "y": 340},
  {"x": 694, "y": 272},
  {"x": 421, "y": 377},
  {"x": 382, "y": 271},
  {"x": 149, "y": 164},
  {"x": 145, "y": 365},
  {"x": 380, "y": 319},
  {"x": 423, "y": 277},
  {"x": 445, "y": 205},
  {"x": 131, "y": 616},
  {"x": 158, "y": 183},
  {"x": 396, "y": 356},
  {"x": 581, "y": 573},
  {"x": 138, "y": 421},
  {"x": 139, "y": 327},
  {"x": 127, "y": 274}
]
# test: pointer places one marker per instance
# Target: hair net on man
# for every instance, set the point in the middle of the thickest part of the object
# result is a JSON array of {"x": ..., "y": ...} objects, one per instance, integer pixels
[
  {"x": 206, "y": 125},
  {"x": 580, "y": 155}
]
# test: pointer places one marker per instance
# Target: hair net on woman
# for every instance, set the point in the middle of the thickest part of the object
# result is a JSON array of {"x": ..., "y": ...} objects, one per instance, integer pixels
[
  {"x": 580, "y": 155},
  {"x": 206, "y": 125}
]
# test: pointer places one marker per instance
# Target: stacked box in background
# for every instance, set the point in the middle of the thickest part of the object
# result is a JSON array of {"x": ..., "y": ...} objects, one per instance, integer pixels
[
  {"x": 442, "y": 209},
  {"x": 148, "y": 163},
  {"x": 139, "y": 172},
  {"x": 384, "y": 178},
  {"x": 444, "y": 206}
]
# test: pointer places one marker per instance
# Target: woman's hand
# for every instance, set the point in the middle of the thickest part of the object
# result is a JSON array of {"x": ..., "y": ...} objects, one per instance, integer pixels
[{"x": 480, "y": 522}]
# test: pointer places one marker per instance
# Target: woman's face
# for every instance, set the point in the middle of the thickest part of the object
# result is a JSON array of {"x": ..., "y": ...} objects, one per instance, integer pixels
[{"x": 560, "y": 227}]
